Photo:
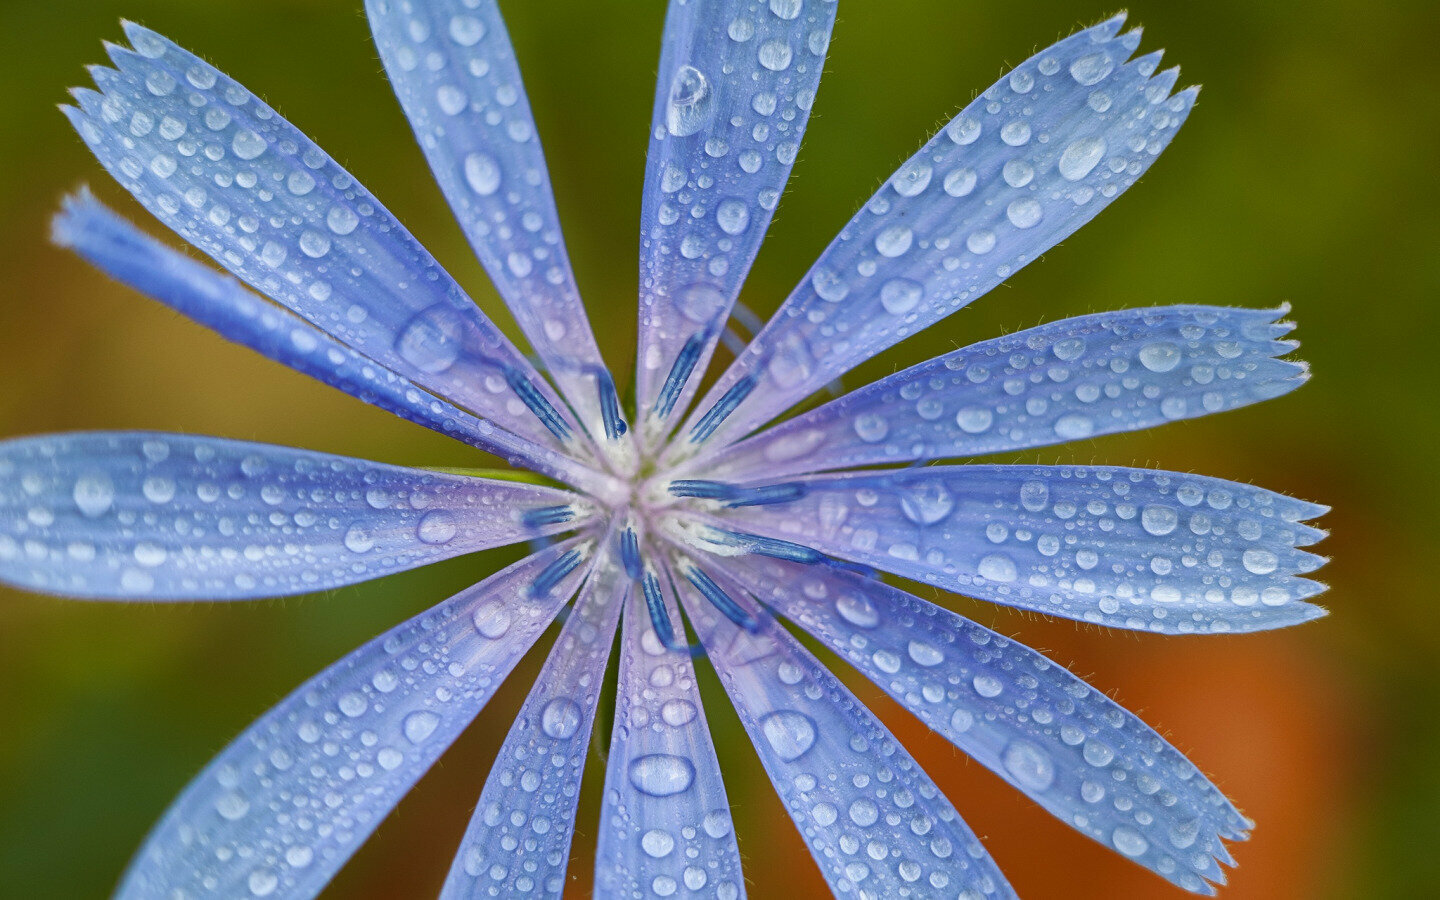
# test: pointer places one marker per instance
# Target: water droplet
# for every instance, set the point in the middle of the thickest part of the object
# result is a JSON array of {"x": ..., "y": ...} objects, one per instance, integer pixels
[
  {"x": 959, "y": 182},
  {"x": 560, "y": 718},
  {"x": 437, "y": 527},
  {"x": 94, "y": 494},
  {"x": 263, "y": 882},
  {"x": 1092, "y": 68},
  {"x": 857, "y": 610},
  {"x": 1159, "y": 520},
  {"x": 492, "y": 620},
  {"x": 482, "y": 173},
  {"x": 688, "y": 109},
  {"x": 864, "y": 812},
  {"x": 828, "y": 285},
  {"x": 419, "y": 725},
  {"x": 1030, "y": 766},
  {"x": 466, "y": 30},
  {"x": 775, "y": 55},
  {"x": 871, "y": 428},
  {"x": 997, "y": 567},
  {"x": 790, "y": 733},
  {"x": 389, "y": 758},
  {"x": 912, "y": 178},
  {"x": 1160, "y": 356},
  {"x": 900, "y": 295},
  {"x": 231, "y": 806},
  {"x": 341, "y": 219},
  {"x": 661, "y": 774},
  {"x": 299, "y": 857},
  {"x": 961, "y": 720},
  {"x": 432, "y": 340},
  {"x": 987, "y": 685},
  {"x": 1074, "y": 426},
  {"x": 927, "y": 502},
  {"x": 786, "y": 9},
  {"x": 247, "y": 144},
  {"x": 1129, "y": 841},
  {"x": 733, "y": 216},
  {"x": 158, "y": 489},
  {"x": 677, "y": 713},
  {"x": 1023, "y": 213},
  {"x": 894, "y": 241},
  {"x": 1080, "y": 157},
  {"x": 314, "y": 244},
  {"x": 1097, "y": 754},
  {"x": 981, "y": 241},
  {"x": 717, "y": 823},
  {"x": 657, "y": 843},
  {"x": 926, "y": 655},
  {"x": 974, "y": 419},
  {"x": 1034, "y": 495},
  {"x": 1259, "y": 561},
  {"x": 1016, "y": 132},
  {"x": 451, "y": 100}
]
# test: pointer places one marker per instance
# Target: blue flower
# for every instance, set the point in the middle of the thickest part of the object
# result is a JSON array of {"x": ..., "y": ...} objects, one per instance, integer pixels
[{"x": 672, "y": 505}]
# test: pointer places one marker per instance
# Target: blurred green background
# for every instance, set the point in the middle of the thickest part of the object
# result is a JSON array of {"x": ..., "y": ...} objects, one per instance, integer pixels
[{"x": 1307, "y": 174}]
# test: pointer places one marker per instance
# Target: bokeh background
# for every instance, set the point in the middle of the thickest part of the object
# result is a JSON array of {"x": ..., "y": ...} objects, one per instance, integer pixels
[{"x": 1307, "y": 174}]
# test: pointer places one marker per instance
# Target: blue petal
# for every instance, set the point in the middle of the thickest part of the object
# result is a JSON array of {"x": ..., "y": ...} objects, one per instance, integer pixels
[
  {"x": 218, "y": 302},
  {"x": 1030, "y": 161},
  {"x": 455, "y": 73},
  {"x": 1128, "y": 548},
  {"x": 137, "y": 516},
  {"x": 284, "y": 806},
  {"x": 672, "y": 840},
  {"x": 874, "y": 821},
  {"x": 518, "y": 841},
  {"x": 1072, "y": 379},
  {"x": 734, "y": 91},
  {"x": 1070, "y": 748},
  {"x": 235, "y": 179}
]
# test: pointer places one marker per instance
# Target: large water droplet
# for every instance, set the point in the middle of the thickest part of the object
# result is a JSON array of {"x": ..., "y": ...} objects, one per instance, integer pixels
[
  {"x": 733, "y": 216},
  {"x": 1159, "y": 520},
  {"x": 560, "y": 718},
  {"x": 775, "y": 55},
  {"x": 1129, "y": 841},
  {"x": 900, "y": 295},
  {"x": 690, "y": 104},
  {"x": 657, "y": 843},
  {"x": 677, "y": 713},
  {"x": 1080, "y": 157},
  {"x": 857, "y": 610},
  {"x": 431, "y": 341},
  {"x": 437, "y": 527},
  {"x": 419, "y": 725},
  {"x": 1092, "y": 68},
  {"x": 94, "y": 494},
  {"x": 790, "y": 733},
  {"x": 661, "y": 774},
  {"x": 247, "y": 144},
  {"x": 894, "y": 241},
  {"x": 871, "y": 428},
  {"x": 997, "y": 567},
  {"x": 1260, "y": 561},
  {"x": 927, "y": 503},
  {"x": 492, "y": 620},
  {"x": 864, "y": 812},
  {"x": 482, "y": 173},
  {"x": 1161, "y": 356},
  {"x": 1031, "y": 767}
]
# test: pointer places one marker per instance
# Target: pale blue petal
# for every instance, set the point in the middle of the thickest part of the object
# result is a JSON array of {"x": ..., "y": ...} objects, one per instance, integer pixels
[
  {"x": 874, "y": 821},
  {"x": 218, "y": 302},
  {"x": 735, "y": 86},
  {"x": 455, "y": 73},
  {"x": 231, "y": 176},
  {"x": 141, "y": 516},
  {"x": 1070, "y": 748},
  {"x": 1069, "y": 380},
  {"x": 518, "y": 841},
  {"x": 1128, "y": 548},
  {"x": 662, "y": 837},
  {"x": 284, "y": 806},
  {"x": 1030, "y": 161}
]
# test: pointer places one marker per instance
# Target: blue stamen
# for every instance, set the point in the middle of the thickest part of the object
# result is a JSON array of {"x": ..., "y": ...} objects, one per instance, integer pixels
[
  {"x": 531, "y": 397},
  {"x": 679, "y": 374},
  {"x": 721, "y": 600},
  {"x": 768, "y": 495},
  {"x": 704, "y": 490},
  {"x": 554, "y": 573},
  {"x": 774, "y": 547},
  {"x": 609, "y": 405},
  {"x": 630, "y": 552},
  {"x": 547, "y": 515},
  {"x": 722, "y": 409}
]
